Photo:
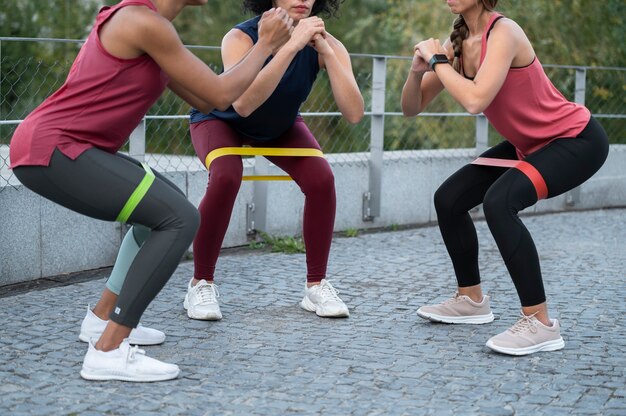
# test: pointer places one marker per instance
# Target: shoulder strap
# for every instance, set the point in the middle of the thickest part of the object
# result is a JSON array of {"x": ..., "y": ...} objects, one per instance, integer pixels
[{"x": 492, "y": 21}]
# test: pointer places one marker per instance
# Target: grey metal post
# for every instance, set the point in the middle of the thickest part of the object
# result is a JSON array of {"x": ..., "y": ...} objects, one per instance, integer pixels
[
  {"x": 257, "y": 210},
  {"x": 372, "y": 198},
  {"x": 137, "y": 142},
  {"x": 482, "y": 134},
  {"x": 573, "y": 197}
]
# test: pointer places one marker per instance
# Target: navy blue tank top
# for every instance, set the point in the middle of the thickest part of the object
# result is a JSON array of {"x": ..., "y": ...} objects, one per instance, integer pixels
[{"x": 278, "y": 113}]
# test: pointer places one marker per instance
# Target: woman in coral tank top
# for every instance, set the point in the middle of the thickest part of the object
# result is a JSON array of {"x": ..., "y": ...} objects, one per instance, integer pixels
[
  {"x": 66, "y": 151},
  {"x": 551, "y": 146}
]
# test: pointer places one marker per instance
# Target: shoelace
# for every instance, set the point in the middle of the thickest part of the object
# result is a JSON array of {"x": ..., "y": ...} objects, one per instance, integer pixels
[
  {"x": 455, "y": 299},
  {"x": 526, "y": 323},
  {"x": 207, "y": 293},
  {"x": 132, "y": 351},
  {"x": 328, "y": 292}
]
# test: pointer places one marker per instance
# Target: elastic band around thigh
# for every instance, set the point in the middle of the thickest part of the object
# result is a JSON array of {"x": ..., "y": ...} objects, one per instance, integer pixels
[
  {"x": 137, "y": 195},
  {"x": 526, "y": 168}
]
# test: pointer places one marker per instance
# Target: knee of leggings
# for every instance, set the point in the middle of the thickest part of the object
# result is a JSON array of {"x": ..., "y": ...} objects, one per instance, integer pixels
[
  {"x": 191, "y": 223},
  {"x": 495, "y": 204},
  {"x": 140, "y": 233},
  {"x": 322, "y": 181},
  {"x": 443, "y": 202},
  {"x": 226, "y": 177}
]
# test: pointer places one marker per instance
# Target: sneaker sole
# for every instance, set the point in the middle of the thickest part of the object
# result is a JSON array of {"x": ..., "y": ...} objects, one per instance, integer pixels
[
  {"x": 207, "y": 317},
  {"x": 307, "y": 305},
  {"x": 104, "y": 375},
  {"x": 472, "y": 320},
  {"x": 553, "y": 345},
  {"x": 132, "y": 340}
]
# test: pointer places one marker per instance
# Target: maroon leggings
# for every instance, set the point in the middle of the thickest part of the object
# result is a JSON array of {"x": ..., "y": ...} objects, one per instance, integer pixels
[{"x": 312, "y": 174}]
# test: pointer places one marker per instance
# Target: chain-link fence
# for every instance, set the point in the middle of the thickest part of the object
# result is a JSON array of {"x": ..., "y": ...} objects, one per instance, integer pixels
[{"x": 31, "y": 69}]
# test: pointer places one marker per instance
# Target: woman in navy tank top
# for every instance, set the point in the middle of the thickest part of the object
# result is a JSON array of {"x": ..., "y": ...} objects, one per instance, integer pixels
[
  {"x": 552, "y": 144},
  {"x": 267, "y": 115}
]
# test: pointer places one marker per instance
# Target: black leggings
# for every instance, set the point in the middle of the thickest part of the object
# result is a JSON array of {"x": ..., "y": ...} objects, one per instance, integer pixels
[
  {"x": 98, "y": 184},
  {"x": 564, "y": 164}
]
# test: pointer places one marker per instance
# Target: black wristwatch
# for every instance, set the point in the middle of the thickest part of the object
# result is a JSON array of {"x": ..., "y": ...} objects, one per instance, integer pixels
[{"x": 438, "y": 58}]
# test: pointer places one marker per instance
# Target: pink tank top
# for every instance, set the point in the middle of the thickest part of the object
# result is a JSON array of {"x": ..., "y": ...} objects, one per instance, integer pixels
[
  {"x": 529, "y": 111},
  {"x": 103, "y": 99}
]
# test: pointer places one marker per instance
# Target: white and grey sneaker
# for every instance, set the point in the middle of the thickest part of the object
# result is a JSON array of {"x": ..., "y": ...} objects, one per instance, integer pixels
[
  {"x": 92, "y": 327},
  {"x": 323, "y": 299},
  {"x": 125, "y": 363},
  {"x": 527, "y": 336},
  {"x": 201, "y": 301}
]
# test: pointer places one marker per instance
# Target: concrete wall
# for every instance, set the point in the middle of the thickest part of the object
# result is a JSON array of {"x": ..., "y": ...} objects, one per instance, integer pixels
[{"x": 40, "y": 239}]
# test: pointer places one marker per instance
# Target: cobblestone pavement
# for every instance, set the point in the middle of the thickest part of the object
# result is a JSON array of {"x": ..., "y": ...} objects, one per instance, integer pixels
[{"x": 269, "y": 357}]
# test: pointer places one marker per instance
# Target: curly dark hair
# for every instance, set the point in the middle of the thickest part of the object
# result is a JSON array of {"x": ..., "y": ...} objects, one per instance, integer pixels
[{"x": 327, "y": 8}]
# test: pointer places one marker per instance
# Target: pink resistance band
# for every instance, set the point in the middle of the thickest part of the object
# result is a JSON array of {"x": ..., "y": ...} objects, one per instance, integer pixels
[{"x": 526, "y": 168}]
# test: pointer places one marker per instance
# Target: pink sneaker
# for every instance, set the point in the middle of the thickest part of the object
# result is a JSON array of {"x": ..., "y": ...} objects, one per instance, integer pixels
[
  {"x": 528, "y": 336},
  {"x": 458, "y": 310}
]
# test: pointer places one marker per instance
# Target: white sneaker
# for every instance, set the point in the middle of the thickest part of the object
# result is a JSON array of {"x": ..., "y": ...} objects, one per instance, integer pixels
[
  {"x": 125, "y": 363},
  {"x": 324, "y": 301},
  {"x": 93, "y": 327},
  {"x": 201, "y": 301}
]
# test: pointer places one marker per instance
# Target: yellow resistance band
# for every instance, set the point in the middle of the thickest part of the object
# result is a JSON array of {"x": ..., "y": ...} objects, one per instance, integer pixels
[
  {"x": 137, "y": 195},
  {"x": 261, "y": 151}
]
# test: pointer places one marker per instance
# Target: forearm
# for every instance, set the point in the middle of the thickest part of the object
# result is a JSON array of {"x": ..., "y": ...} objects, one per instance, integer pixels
[
  {"x": 265, "y": 83},
  {"x": 411, "y": 100},
  {"x": 345, "y": 89},
  {"x": 463, "y": 90},
  {"x": 238, "y": 79}
]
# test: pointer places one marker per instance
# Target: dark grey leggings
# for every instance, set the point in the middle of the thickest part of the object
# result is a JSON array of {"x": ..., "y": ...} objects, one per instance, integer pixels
[
  {"x": 563, "y": 164},
  {"x": 98, "y": 184}
]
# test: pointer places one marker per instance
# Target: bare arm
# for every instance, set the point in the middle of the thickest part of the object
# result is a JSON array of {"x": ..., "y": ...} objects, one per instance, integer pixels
[
  {"x": 420, "y": 88},
  {"x": 504, "y": 44},
  {"x": 236, "y": 44},
  {"x": 335, "y": 58},
  {"x": 152, "y": 34}
]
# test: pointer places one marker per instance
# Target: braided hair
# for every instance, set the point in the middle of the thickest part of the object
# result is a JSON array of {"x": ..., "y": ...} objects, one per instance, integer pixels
[
  {"x": 460, "y": 32},
  {"x": 321, "y": 7}
]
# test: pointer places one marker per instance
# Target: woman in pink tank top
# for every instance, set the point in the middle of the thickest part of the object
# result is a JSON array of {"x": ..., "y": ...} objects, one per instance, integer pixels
[
  {"x": 551, "y": 145},
  {"x": 66, "y": 151}
]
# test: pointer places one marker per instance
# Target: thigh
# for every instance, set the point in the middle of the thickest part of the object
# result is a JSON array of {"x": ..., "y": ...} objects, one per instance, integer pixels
[
  {"x": 566, "y": 163},
  {"x": 96, "y": 184},
  {"x": 298, "y": 136},
  {"x": 466, "y": 188},
  {"x": 209, "y": 135}
]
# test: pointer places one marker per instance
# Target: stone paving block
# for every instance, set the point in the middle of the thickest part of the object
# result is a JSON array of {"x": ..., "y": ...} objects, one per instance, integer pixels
[{"x": 267, "y": 356}]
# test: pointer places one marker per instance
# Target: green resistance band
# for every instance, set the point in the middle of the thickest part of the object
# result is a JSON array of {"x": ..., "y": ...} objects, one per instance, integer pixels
[{"x": 137, "y": 195}]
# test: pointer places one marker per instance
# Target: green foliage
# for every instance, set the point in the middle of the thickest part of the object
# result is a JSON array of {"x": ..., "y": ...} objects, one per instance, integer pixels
[
  {"x": 279, "y": 244},
  {"x": 351, "y": 232},
  {"x": 565, "y": 32}
]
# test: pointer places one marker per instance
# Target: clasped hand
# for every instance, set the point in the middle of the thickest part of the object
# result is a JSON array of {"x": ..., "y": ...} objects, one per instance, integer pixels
[{"x": 423, "y": 52}]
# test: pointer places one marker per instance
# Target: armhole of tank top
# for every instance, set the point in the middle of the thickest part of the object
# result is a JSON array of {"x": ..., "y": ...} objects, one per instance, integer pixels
[
  {"x": 492, "y": 25},
  {"x": 99, "y": 26},
  {"x": 513, "y": 67}
]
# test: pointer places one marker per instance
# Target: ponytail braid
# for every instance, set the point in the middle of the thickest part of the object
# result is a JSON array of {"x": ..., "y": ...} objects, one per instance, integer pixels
[{"x": 459, "y": 34}]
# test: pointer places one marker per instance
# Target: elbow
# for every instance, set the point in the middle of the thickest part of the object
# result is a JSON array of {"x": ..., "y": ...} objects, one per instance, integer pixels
[
  {"x": 474, "y": 109},
  {"x": 355, "y": 113},
  {"x": 409, "y": 113},
  {"x": 475, "y": 106},
  {"x": 242, "y": 110},
  {"x": 355, "y": 117},
  {"x": 223, "y": 104},
  {"x": 205, "y": 107}
]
